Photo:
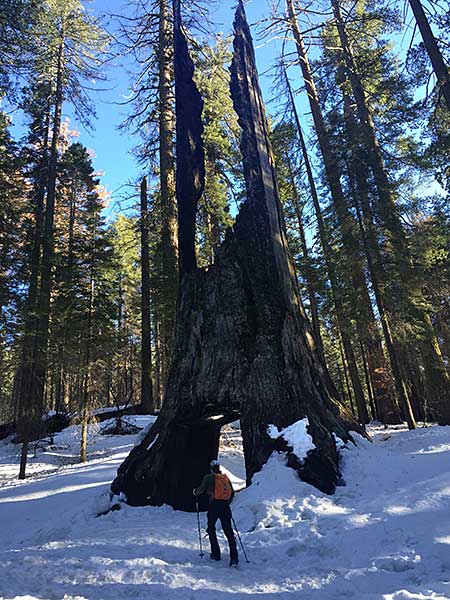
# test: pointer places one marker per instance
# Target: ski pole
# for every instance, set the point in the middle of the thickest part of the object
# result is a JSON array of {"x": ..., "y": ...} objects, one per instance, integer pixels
[
  {"x": 199, "y": 533},
  {"x": 240, "y": 541}
]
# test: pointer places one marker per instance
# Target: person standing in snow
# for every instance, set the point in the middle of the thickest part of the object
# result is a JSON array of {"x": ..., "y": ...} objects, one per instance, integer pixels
[{"x": 220, "y": 492}]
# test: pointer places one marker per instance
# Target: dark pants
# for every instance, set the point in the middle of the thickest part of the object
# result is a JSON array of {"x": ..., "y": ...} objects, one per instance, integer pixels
[{"x": 220, "y": 509}]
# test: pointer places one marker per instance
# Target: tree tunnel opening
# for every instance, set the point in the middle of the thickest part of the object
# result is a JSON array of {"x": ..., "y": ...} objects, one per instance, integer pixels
[{"x": 231, "y": 454}]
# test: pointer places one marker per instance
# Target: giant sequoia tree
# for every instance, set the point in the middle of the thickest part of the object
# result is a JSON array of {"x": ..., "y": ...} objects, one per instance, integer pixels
[{"x": 243, "y": 345}]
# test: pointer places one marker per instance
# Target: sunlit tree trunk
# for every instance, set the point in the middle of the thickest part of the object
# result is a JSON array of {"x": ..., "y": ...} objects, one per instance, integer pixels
[
  {"x": 337, "y": 292},
  {"x": 146, "y": 367},
  {"x": 438, "y": 379},
  {"x": 440, "y": 68},
  {"x": 169, "y": 236}
]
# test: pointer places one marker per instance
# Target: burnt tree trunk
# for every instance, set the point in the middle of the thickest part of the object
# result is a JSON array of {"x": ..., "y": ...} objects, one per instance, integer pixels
[{"x": 243, "y": 345}]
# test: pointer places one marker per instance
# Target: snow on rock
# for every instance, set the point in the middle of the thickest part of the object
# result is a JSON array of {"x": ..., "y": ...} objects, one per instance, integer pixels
[
  {"x": 384, "y": 536},
  {"x": 296, "y": 435}
]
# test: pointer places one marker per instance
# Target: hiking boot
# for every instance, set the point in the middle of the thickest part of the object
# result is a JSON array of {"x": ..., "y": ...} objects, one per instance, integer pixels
[
  {"x": 234, "y": 561},
  {"x": 213, "y": 556}
]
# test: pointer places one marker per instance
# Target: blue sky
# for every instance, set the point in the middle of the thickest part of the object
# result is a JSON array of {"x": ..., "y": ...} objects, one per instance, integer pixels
[{"x": 113, "y": 147}]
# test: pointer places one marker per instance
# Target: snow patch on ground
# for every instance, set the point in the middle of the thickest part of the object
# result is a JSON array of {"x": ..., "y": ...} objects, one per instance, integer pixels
[{"x": 384, "y": 536}]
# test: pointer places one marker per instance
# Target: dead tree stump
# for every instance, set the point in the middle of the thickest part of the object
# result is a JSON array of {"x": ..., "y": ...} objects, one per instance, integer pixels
[{"x": 243, "y": 346}]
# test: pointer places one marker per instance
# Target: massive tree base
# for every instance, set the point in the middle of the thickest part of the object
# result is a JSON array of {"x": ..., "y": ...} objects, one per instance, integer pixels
[
  {"x": 239, "y": 351},
  {"x": 243, "y": 346}
]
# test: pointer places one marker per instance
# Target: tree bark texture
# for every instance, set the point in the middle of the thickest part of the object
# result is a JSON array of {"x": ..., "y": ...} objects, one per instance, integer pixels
[
  {"x": 440, "y": 69},
  {"x": 169, "y": 233},
  {"x": 438, "y": 379},
  {"x": 32, "y": 379},
  {"x": 342, "y": 318},
  {"x": 190, "y": 177},
  {"x": 147, "y": 403},
  {"x": 243, "y": 346}
]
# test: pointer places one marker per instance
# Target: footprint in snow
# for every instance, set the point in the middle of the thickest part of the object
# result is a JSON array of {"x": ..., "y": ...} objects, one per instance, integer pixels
[{"x": 397, "y": 564}]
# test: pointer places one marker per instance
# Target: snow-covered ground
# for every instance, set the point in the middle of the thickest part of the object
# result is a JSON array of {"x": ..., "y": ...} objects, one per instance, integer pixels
[{"x": 385, "y": 535}]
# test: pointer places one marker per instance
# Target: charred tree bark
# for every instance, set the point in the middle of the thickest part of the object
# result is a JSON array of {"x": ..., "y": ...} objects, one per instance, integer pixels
[
  {"x": 190, "y": 177},
  {"x": 242, "y": 345}
]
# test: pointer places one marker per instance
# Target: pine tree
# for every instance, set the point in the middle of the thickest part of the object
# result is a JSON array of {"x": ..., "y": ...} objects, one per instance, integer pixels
[
  {"x": 440, "y": 69},
  {"x": 146, "y": 353},
  {"x": 13, "y": 228},
  {"x": 220, "y": 137},
  {"x": 17, "y": 20},
  {"x": 148, "y": 37},
  {"x": 126, "y": 360},
  {"x": 438, "y": 381},
  {"x": 66, "y": 46}
]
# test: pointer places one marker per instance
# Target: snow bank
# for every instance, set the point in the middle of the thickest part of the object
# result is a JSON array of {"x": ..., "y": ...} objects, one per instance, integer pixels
[
  {"x": 296, "y": 435},
  {"x": 384, "y": 536}
]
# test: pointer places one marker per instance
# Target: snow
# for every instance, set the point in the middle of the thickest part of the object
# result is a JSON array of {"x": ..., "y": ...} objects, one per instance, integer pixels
[
  {"x": 384, "y": 536},
  {"x": 296, "y": 435}
]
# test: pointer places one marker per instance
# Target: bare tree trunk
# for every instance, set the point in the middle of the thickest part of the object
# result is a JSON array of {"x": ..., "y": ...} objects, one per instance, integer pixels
[
  {"x": 369, "y": 387},
  {"x": 23, "y": 459},
  {"x": 86, "y": 408},
  {"x": 169, "y": 237},
  {"x": 345, "y": 218},
  {"x": 347, "y": 383},
  {"x": 342, "y": 319},
  {"x": 437, "y": 376},
  {"x": 147, "y": 403},
  {"x": 315, "y": 320},
  {"x": 84, "y": 432},
  {"x": 32, "y": 384},
  {"x": 158, "y": 383},
  {"x": 440, "y": 69},
  {"x": 242, "y": 345}
]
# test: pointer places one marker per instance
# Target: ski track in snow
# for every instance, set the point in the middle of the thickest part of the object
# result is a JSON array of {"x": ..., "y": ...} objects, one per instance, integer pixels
[{"x": 385, "y": 535}]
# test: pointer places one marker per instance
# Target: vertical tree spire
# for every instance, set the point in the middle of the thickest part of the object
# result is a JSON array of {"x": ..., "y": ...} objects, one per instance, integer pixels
[{"x": 190, "y": 178}]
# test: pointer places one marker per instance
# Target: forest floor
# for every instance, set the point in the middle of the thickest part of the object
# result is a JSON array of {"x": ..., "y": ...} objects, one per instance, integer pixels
[{"x": 385, "y": 535}]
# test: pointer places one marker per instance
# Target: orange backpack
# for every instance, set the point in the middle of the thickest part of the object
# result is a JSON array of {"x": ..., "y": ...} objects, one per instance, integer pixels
[{"x": 222, "y": 487}]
